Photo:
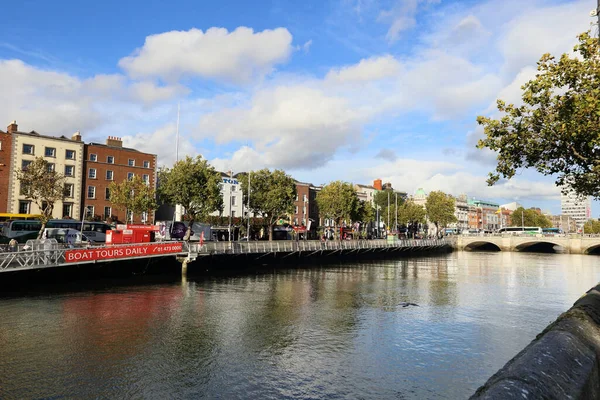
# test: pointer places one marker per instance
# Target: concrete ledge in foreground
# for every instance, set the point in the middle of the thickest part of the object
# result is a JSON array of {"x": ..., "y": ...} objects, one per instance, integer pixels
[{"x": 561, "y": 363}]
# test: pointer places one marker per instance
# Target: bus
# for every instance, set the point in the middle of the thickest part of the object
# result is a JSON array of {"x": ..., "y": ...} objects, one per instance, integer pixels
[
  {"x": 552, "y": 231},
  {"x": 10, "y": 217},
  {"x": 95, "y": 231},
  {"x": 521, "y": 230}
]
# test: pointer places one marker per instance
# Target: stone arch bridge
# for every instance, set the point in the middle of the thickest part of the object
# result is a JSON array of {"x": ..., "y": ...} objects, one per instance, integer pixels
[{"x": 569, "y": 244}]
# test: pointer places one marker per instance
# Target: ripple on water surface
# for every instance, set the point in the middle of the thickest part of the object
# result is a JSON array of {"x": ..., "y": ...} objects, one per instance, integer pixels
[{"x": 321, "y": 333}]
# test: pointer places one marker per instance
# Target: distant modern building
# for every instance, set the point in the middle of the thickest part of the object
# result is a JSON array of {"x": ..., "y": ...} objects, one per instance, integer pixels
[
  {"x": 233, "y": 197},
  {"x": 511, "y": 206},
  {"x": 483, "y": 214},
  {"x": 576, "y": 207}
]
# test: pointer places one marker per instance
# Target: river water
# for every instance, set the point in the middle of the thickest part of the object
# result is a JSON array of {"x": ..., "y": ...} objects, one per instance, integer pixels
[{"x": 333, "y": 332}]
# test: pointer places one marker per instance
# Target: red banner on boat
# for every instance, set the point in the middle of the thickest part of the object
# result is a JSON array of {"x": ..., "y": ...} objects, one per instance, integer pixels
[{"x": 132, "y": 251}]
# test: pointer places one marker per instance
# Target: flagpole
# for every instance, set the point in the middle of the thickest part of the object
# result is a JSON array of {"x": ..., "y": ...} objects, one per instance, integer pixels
[
  {"x": 248, "y": 233},
  {"x": 177, "y": 135}
]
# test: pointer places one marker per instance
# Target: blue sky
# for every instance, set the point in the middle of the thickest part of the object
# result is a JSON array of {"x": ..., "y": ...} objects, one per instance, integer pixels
[{"x": 335, "y": 89}]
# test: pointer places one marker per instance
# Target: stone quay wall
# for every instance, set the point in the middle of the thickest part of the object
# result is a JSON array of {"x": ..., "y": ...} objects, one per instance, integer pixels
[{"x": 562, "y": 362}]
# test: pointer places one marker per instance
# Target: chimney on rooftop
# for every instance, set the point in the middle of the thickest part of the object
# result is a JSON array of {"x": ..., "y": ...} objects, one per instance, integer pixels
[
  {"x": 114, "y": 141},
  {"x": 13, "y": 127},
  {"x": 377, "y": 184},
  {"x": 76, "y": 136}
]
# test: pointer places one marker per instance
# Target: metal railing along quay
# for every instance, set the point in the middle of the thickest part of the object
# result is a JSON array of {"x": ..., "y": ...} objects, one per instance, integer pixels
[
  {"x": 48, "y": 253},
  {"x": 289, "y": 246}
]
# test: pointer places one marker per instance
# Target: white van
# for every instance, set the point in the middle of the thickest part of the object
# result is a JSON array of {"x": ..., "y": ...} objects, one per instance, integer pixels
[{"x": 66, "y": 236}]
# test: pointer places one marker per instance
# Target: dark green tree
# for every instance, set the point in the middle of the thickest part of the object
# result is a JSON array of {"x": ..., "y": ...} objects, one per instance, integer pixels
[
  {"x": 338, "y": 201},
  {"x": 132, "y": 195},
  {"x": 440, "y": 209},
  {"x": 195, "y": 185},
  {"x": 557, "y": 128},
  {"x": 272, "y": 195},
  {"x": 592, "y": 227},
  {"x": 410, "y": 213},
  {"x": 529, "y": 217}
]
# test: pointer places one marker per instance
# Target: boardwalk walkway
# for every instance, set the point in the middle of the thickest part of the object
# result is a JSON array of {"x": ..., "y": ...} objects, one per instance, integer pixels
[{"x": 48, "y": 253}]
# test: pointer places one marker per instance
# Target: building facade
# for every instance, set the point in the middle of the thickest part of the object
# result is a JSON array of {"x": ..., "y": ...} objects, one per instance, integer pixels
[
  {"x": 111, "y": 162},
  {"x": 577, "y": 208},
  {"x": 564, "y": 222},
  {"x": 5, "y": 164},
  {"x": 461, "y": 212},
  {"x": 62, "y": 154},
  {"x": 483, "y": 215},
  {"x": 300, "y": 216},
  {"x": 366, "y": 193}
]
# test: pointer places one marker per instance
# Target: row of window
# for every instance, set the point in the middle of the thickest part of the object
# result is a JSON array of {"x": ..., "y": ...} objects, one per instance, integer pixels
[
  {"x": 110, "y": 174},
  {"x": 111, "y": 160},
  {"x": 70, "y": 155},
  {"x": 67, "y": 210},
  {"x": 48, "y": 151},
  {"x": 70, "y": 171},
  {"x": 91, "y": 193}
]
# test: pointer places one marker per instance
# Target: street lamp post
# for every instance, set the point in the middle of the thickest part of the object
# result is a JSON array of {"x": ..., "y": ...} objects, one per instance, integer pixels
[
  {"x": 388, "y": 212},
  {"x": 377, "y": 228},
  {"x": 248, "y": 207},
  {"x": 305, "y": 218},
  {"x": 230, "y": 205},
  {"x": 396, "y": 212}
]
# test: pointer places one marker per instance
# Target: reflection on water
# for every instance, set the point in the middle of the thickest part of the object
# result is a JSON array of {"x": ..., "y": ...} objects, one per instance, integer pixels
[{"x": 325, "y": 332}]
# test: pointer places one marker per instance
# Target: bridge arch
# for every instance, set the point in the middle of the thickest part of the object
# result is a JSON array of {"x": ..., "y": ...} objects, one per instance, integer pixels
[
  {"x": 482, "y": 245},
  {"x": 540, "y": 246},
  {"x": 592, "y": 250}
]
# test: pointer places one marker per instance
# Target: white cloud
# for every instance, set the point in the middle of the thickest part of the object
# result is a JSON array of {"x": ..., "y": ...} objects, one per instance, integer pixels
[
  {"x": 238, "y": 56},
  {"x": 402, "y": 16},
  {"x": 539, "y": 30},
  {"x": 292, "y": 126},
  {"x": 162, "y": 142},
  {"x": 150, "y": 93},
  {"x": 366, "y": 70},
  {"x": 244, "y": 159},
  {"x": 47, "y": 101},
  {"x": 306, "y": 46},
  {"x": 387, "y": 154},
  {"x": 57, "y": 103}
]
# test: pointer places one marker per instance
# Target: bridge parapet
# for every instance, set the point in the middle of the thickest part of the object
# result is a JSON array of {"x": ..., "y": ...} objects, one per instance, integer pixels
[
  {"x": 571, "y": 244},
  {"x": 50, "y": 254}
]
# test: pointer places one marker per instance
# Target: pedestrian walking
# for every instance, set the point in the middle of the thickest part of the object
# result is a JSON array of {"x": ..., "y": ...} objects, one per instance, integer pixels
[{"x": 13, "y": 245}]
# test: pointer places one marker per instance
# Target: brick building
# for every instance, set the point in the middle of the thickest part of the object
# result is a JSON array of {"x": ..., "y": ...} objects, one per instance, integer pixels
[
  {"x": 5, "y": 164},
  {"x": 111, "y": 162},
  {"x": 305, "y": 208}
]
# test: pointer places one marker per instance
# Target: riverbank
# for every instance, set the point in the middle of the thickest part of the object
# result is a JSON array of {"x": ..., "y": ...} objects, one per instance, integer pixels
[
  {"x": 227, "y": 259},
  {"x": 562, "y": 362}
]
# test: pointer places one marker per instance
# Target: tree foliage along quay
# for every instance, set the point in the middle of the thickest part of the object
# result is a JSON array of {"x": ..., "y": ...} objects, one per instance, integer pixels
[
  {"x": 338, "y": 201},
  {"x": 557, "y": 128},
  {"x": 193, "y": 184},
  {"x": 365, "y": 212},
  {"x": 440, "y": 209},
  {"x": 132, "y": 195},
  {"x": 592, "y": 227},
  {"x": 410, "y": 213},
  {"x": 530, "y": 218},
  {"x": 44, "y": 186},
  {"x": 272, "y": 195}
]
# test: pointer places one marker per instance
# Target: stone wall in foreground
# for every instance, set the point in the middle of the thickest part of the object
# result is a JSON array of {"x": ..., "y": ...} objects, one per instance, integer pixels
[{"x": 561, "y": 363}]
